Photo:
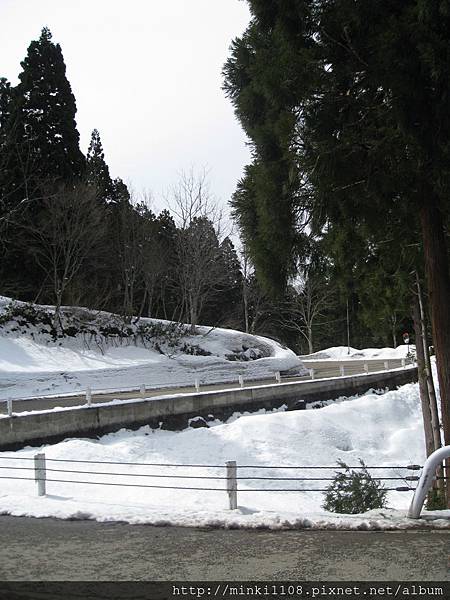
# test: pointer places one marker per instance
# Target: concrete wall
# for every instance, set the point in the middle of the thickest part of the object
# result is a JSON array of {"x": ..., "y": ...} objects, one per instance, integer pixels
[{"x": 173, "y": 412}]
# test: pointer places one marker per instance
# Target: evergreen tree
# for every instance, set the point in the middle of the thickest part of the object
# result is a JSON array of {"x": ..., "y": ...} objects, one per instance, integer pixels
[
  {"x": 257, "y": 80},
  {"x": 40, "y": 149},
  {"x": 97, "y": 171},
  {"x": 5, "y": 117},
  {"x": 224, "y": 307},
  {"x": 45, "y": 110},
  {"x": 372, "y": 128},
  {"x": 5, "y": 105}
]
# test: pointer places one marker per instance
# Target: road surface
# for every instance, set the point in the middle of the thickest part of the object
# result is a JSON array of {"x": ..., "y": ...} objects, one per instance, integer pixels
[
  {"x": 48, "y": 549},
  {"x": 322, "y": 368}
]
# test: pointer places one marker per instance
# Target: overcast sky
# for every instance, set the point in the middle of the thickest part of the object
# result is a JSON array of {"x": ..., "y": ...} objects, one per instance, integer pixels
[{"x": 147, "y": 75}]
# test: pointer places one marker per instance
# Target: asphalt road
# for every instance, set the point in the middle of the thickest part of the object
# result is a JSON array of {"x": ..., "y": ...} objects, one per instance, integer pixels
[
  {"x": 53, "y": 550},
  {"x": 322, "y": 368}
]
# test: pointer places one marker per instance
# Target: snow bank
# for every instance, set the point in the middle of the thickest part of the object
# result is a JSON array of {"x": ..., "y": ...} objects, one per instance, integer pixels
[
  {"x": 341, "y": 353},
  {"x": 383, "y": 430},
  {"x": 31, "y": 363}
]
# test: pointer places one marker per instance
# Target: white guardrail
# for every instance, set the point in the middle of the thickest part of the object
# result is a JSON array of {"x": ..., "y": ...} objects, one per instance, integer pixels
[{"x": 338, "y": 369}]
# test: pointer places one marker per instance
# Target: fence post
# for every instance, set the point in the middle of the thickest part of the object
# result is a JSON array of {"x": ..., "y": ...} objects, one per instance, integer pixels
[
  {"x": 366, "y": 368},
  {"x": 311, "y": 373},
  {"x": 88, "y": 395},
  {"x": 232, "y": 483},
  {"x": 9, "y": 407},
  {"x": 386, "y": 365},
  {"x": 241, "y": 381},
  {"x": 40, "y": 473},
  {"x": 142, "y": 390},
  {"x": 342, "y": 371},
  {"x": 403, "y": 362},
  {"x": 197, "y": 385},
  {"x": 278, "y": 376}
]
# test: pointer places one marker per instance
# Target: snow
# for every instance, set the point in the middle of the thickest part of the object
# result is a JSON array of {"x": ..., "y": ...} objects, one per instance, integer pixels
[
  {"x": 383, "y": 430},
  {"x": 34, "y": 365},
  {"x": 342, "y": 353}
]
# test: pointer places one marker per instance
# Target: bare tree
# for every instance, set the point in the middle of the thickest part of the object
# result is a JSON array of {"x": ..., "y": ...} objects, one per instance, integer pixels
[
  {"x": 67, "y": 228},
  {"x": 191, "y": 198},
  {"x": 310, "y": 299},
  {"x": 200, "y": 272}
]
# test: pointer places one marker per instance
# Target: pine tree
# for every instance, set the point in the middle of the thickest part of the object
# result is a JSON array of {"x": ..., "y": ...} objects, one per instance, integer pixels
[
  {"x": 371, "y": 133},
  {"x": 5, "y": 116},
  {"x": 97, "y": 171},
  {"x": 40, "y": 153},
  {"x": 257, "y": 79},
  {"x": 45, "y": 112}
]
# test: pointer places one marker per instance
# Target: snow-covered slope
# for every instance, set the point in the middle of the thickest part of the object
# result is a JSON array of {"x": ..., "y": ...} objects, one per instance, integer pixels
[
  {"x": 33, "y": 360},
  {"x": 384, "y": 430},
  {"x": 342, "y": 353}
]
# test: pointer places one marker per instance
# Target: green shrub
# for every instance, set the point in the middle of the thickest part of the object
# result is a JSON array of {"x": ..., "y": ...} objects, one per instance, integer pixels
[{"x": 353, "y": 492}]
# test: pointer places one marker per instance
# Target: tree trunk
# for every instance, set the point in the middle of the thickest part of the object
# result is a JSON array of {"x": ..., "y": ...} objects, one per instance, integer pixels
[
  {"x": 348, "y": 330},
  {"x": 194, "y": 315},
  {"x": 424, "y": 397},
  {"x": 394, "y": 331},
  {"x": 245, "y": 301},
  {"x": 310, "y": 340},
  {"x": 437, "y": 273},
  {"x": 428, "y": 371}
]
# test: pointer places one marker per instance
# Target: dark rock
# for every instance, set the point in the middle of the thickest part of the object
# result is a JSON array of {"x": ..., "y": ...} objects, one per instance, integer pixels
[{"x": 197, "y": 422}]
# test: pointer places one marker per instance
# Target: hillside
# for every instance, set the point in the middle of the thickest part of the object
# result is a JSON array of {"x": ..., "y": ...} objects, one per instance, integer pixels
[{"x": 99, "y": 349}]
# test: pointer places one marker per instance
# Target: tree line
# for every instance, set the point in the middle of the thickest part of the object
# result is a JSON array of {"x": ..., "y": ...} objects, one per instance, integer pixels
[{"x": 71, "y": 234}]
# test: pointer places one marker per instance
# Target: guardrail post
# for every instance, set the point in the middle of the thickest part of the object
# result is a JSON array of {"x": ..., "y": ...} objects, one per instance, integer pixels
[
  {"x": 312, "y": 374},
  {"x": 88, "y": 395},
  {"x": 403, "y": 362},
  {"x": 241, "y": 381},
  {"x": 366, "y": 368},
  {"x": 342, "y": 371},
  {"x": 197, "y": 385},
  {"x": 9, "y": 407},
  {"x": 232, "y": 483},
  {"x": 278, "y": 376},
  {"x": 142, "y": 390},
  {"x": 386, "y": 365},
  {"x": 426, "y": 480},
  {"x": 40, "y": 473}
]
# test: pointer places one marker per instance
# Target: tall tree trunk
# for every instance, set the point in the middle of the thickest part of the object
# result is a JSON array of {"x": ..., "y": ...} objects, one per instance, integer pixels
[
  {"x": 428, "y": 370},
  {"x": 348, "y": 330},
  {"x": 194, "y": 315},
  {"x": 394, "y": 331},
  {"x": 423, "y": 388},
  {"x": 245, "y": 301},
  {"x": 438, "y": 278},
  {"x": 310, "y": 340}
]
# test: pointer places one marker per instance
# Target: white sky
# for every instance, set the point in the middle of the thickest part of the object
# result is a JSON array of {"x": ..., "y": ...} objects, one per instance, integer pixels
[{"x": 147, "y": 75}]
